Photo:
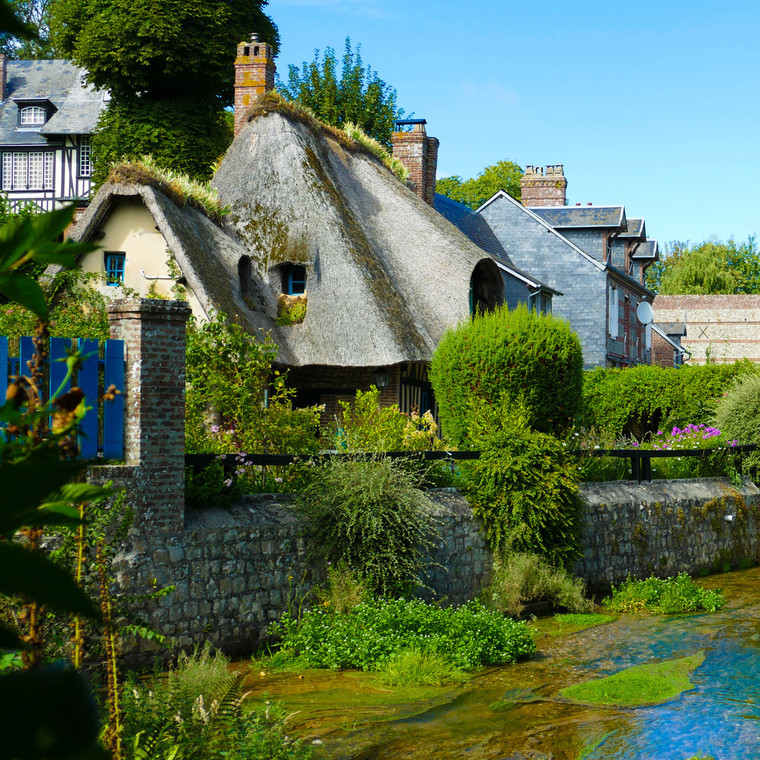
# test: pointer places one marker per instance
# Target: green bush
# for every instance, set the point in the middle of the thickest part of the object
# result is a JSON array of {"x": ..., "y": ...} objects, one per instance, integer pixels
[
  {"x": 738, "y": 414},
  {"x": 637, "y": 401},
  {"x": 516, "y": 354},
  {"x": 374, "y": 633},
  {"x": 370, "y": 515},
  {"x": 194, "y": 712},
  {"x": 666, "y": 596},
  {"x": 524, "y": 487},
  {"x": 521, "y": 578}
]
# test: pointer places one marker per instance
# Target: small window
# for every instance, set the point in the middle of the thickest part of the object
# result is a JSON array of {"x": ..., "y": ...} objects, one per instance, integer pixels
[
  {"x": 294, "y": 279},
  {"x": 114, "y": 268},
  {"x": 85, "y": 156},
  {"x": 33, "y": 116}
]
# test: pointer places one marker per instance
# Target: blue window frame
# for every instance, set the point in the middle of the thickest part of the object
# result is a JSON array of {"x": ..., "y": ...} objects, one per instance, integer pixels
[
  {"x": 114, "y": 268},
  {"x": 294, "y": 279}
]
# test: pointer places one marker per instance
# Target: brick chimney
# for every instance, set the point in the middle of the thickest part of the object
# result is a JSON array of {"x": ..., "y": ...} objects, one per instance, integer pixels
[
  {"x": 254, "y": 75},
  {"x": 3, "y": 77},
  {"x": 419, "y": 154},
  {"x": 539, "y": 189}
]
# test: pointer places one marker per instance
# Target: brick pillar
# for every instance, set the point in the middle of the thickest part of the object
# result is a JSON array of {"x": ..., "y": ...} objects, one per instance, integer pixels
[
  {"x": 419, "y": 154},
  {"x": 153, "y": 332},
  {"x": 3, "y": 77},
  {"x": 254, "y": 75},
  {"x": 539, "y": 189}
]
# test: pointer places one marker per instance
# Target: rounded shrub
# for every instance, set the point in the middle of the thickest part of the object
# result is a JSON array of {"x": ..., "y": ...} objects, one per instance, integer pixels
[
  {"x": 514, "y": 354},
  {"x": 370, "y": 515},
  {"x": 737, "y": 415}
]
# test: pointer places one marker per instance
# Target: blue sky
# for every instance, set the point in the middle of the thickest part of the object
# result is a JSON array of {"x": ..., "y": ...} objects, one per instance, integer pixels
[{"x": 652, "y": 104}]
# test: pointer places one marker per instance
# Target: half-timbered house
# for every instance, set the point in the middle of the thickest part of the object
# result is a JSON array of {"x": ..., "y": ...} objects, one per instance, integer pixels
[{"x": 47, "y": 115}]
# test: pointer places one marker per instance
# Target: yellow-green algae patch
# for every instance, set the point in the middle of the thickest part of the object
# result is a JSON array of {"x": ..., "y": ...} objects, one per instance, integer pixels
[{"x": 639, "y": 685}]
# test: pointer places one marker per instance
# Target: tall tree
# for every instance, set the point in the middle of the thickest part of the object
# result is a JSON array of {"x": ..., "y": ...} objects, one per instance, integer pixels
[
  {"x": 358, "y": 96},
  {"x": 169, "y": 68},
  {"x": 35, "y": 14},
  {"x": 712, "y": 267},
  {"x": 474, "y": 192}
]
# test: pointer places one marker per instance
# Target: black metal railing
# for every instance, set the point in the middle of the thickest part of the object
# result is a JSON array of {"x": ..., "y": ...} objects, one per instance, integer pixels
[{"x": 641, "y": 459}]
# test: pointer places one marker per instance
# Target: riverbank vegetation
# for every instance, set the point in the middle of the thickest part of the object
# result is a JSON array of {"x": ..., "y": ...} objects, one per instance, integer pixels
[{"x": 666, "y": 596}]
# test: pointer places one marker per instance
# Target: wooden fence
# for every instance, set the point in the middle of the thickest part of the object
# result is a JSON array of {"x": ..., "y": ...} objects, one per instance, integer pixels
[{"x": 102, "y": 430}]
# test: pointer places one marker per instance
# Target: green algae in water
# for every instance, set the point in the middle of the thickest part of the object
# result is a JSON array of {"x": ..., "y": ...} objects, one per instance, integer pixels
[
  {"x": 512, "y": 699},
  {"x": 639, "y": 685}
]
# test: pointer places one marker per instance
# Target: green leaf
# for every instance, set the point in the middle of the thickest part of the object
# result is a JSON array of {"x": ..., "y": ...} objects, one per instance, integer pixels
[
  {"x": 47, "y": 712},
  {"x": 30, "y": 573},
  {"x": 25, "y": 291},
  {"x": 76, "y": 493},
  {"x": 9, "y": 639},
  {"x": 10, "y": 23},
  {"x": 26, "y": 484}
]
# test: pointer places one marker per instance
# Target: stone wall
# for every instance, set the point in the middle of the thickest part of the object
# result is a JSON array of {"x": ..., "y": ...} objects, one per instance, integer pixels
[
  {"x": 666, "y": 527},
  {"x": 235, "y": 571}
]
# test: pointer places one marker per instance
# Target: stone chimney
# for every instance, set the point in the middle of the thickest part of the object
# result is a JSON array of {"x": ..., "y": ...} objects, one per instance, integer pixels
[
  {"x": 254, "y": 75},
  {"x": 539, "y": 189},
  {"x": 3, "y": 77},
  {"x": 419, "y": 154}
]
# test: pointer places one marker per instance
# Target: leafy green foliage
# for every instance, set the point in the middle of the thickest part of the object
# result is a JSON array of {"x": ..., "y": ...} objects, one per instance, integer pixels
[
  {"x": 737, "y": 414},
  {"x": 710, "y": 267},
  {"x": 195, "y": 712},
  {"x": 414, "y": 667},
  {"x": 37, "y": 493},
  {"x": 474, "y": 192},
  {"x": 25, "y": 25},
  {"x": 520, "y": 578},
  {"x": 180, "y": 133},
  {"x": 520, "y": 355},
  {"x": 167, "y": 66},
  {"x": 358, "y": 95},
  {"x": 228, "y": 375},
  {"x": 640, "y": 400},
  {"x": 665, "y": 596},
  {"x": 371, "y": 515},
  {"x": 524, "y": 487},
  {"x": 374, "y": 633},
  {"x": 76, "y": 310},
  {"x": 166, "y": 49},
  {"x": 343, "y": 590}
]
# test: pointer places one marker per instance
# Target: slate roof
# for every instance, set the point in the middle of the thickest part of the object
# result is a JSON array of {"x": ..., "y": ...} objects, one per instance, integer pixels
[
  {"x": 581, "y": 216},
  {"x": 60, "y": 82},
  {"x": 648, "y": 249},
  {"x": 672, "y": 328},
  {"x": 479, "y": 231},
  {"x": 636, "y": 229}
]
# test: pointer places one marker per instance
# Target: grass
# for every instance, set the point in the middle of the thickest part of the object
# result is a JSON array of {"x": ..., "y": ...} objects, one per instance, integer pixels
[
  {"x": 561, "y": 625},
  {"x": 639, "y": 685},
  {"x": 666, "y": 596},
  {"x": 521, "y": 578},
  {"x": 414, "y": 667}
]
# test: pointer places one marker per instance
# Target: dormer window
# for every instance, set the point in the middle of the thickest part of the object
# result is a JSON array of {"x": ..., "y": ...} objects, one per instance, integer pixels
[
  {"x": 32, "y": 116},
  {"x": 293, "y": 279}
]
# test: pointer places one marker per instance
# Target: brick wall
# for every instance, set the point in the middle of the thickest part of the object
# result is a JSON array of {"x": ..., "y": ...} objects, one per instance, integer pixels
[
  {"x": 419, "y": 154},
  {"x": 254, "y": 75},
  {"x": 725, "y": 328},
  {"x": 543, "y": 189}
]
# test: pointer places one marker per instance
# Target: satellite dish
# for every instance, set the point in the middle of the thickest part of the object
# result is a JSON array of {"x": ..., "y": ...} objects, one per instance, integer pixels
[{"x": 645, "y": 313}]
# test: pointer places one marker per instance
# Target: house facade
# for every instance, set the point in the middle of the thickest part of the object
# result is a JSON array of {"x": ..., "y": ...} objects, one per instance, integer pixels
[
  {"x": 47, "y": 114},
  {"x": 591, "y": 254}
]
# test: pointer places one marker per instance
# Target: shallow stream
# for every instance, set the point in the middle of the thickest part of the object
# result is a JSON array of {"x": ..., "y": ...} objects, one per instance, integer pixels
[{"x": 357, "y": 718}]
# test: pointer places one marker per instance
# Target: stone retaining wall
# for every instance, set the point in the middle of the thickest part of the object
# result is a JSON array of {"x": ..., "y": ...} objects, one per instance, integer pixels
[{"x": 235, "y": 571}]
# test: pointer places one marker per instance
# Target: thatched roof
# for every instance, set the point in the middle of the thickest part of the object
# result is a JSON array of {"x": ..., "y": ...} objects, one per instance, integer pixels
[
  {"x": 207, "y": 257},
  {"x": 386, "y": 274}
]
